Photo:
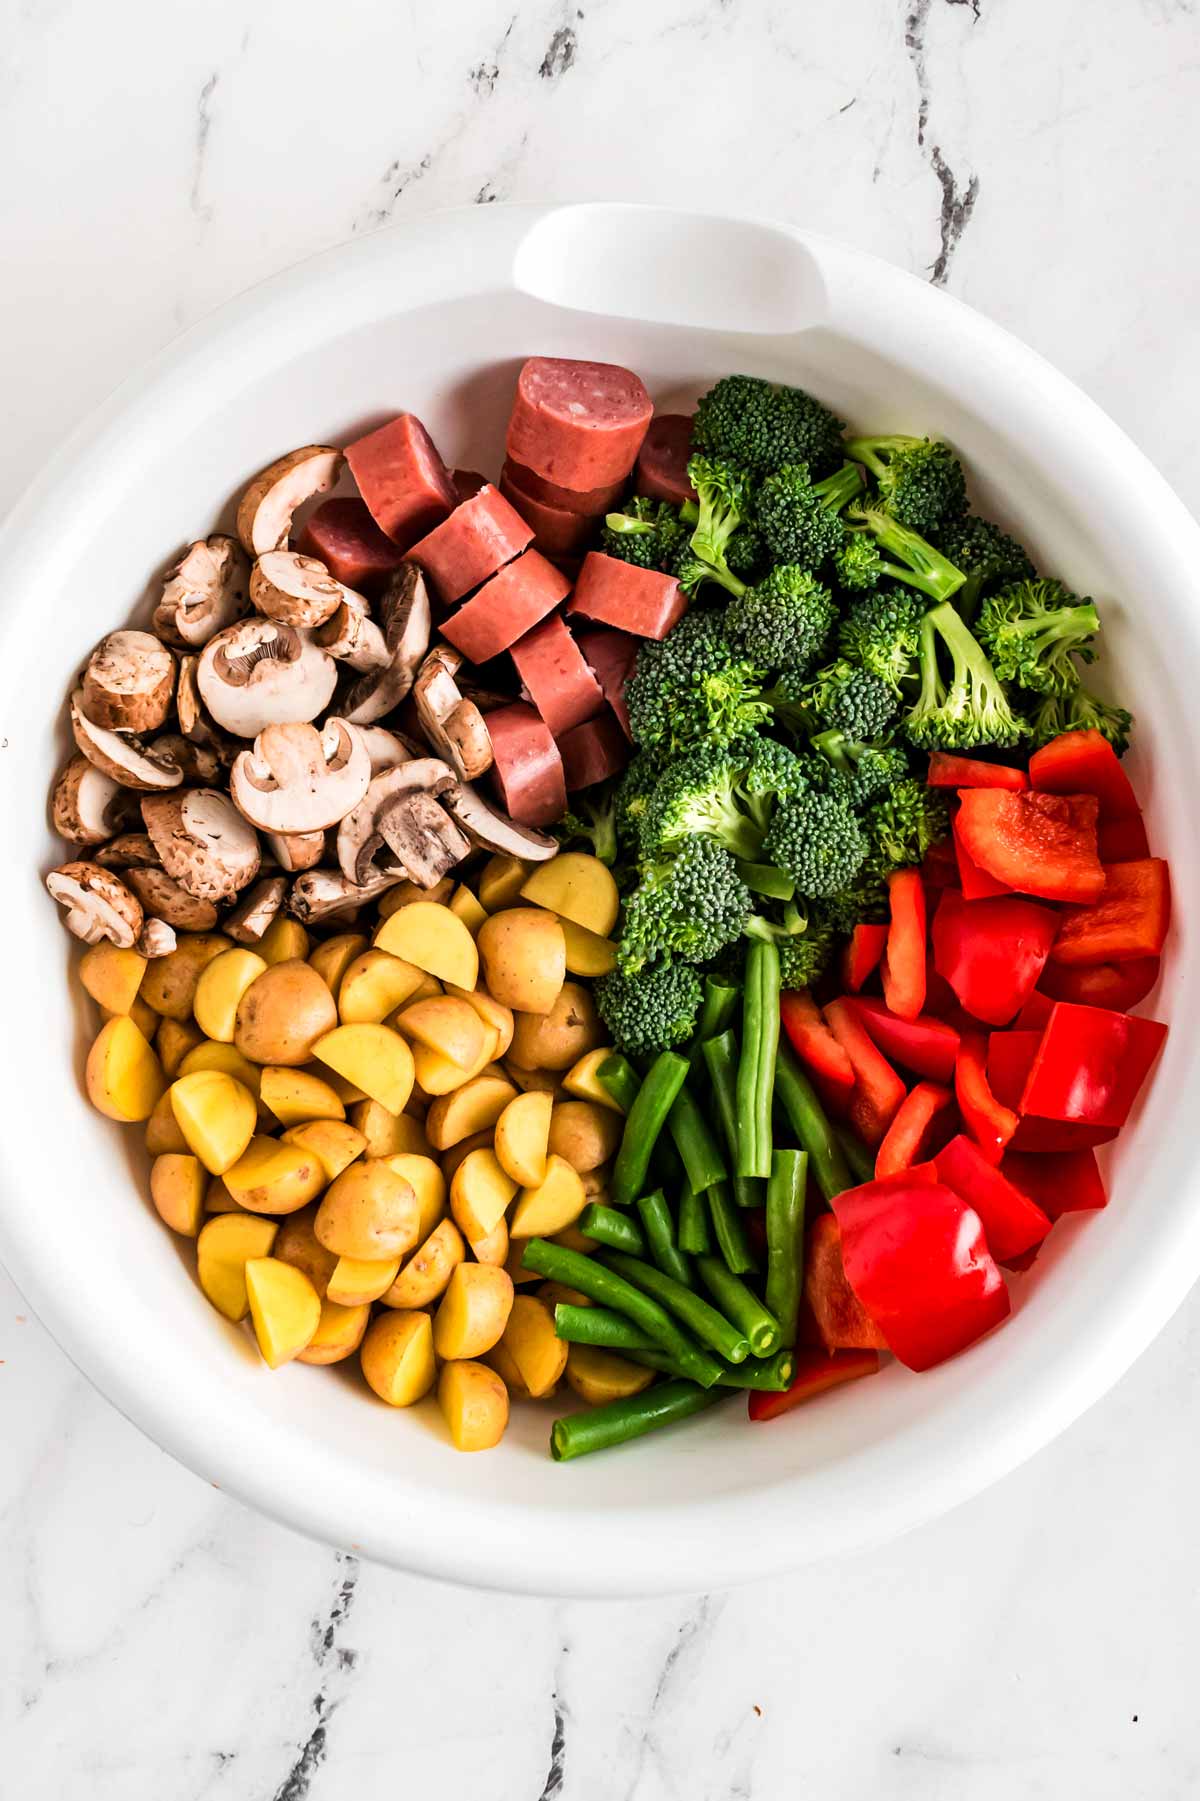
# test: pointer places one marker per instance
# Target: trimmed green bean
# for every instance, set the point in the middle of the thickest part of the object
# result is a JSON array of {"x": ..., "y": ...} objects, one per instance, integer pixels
[
  {"x": 711, "y": 1327},
  {"x": 694, "y": 1235},
  {"x": 740, "y": 1305},
  {"x": 773, "y": 1373},
  {"x": 721, "y": 1061},
  {"x": 600, "y": 1428},
  {"x": 859, "y": 1158},
  {"x": 614, "y": 1229},
  {"x": 785, "y": 1238},
  {"x": 806, "y": 1116},
  {"x": 764, "y": 878},
  {"x": 695, "y": 1143},
  {"x": 659, "y": 1230},
  {"x": 599, "y": 1283},
  {"x": 756, "y": 1067},
  {"x": 729, "y": 1231},
  {"x": 716, "y": 1011},
  {"x": 617, "y": 1074},
  {"x": 643, "y": 1123},
  {"x": 600, "y": 1326}
]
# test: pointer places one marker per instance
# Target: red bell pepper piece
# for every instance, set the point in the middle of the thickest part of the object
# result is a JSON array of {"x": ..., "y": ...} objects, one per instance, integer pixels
[
  {"x": 976, "y": 883},
  {"x": 942, "y": 1002},
  {"x": 1034, "y": 1014},
  {"x": 1090, "y": 1065},
  {"x": 924, "y": 1045},
  {"x": 1009, "y": 1060},
  {"x": 1043, "y": 844},
  {"x": 1122, "y": 840},
  {"x": 878, "y": 1090},
  {"x": 815, "y": 1371},
  {"x": 1129, "y": 920},
  {"x": 992, "y": 952},
  {"x": 949, "y": 771},
  {"x": 815, "y": 1044},
  {"x": 1118, "y": 986},
  {"x": 939, "y": 870},
  {"x": 915, "y": 1125},
  {"x": 1054, "y": 1137},
  {"x": 1084, "y": 763},
  {"x": 917, "y": 1259},
  {"x": 863, "y": 955},
  {"x": 834, "y": 1315},
  {"x": 987, "y": 1120},
  {"x": 1012, "y": 1221},
  {"x": 904, "y": 960},
  {"x": 1060, "y": 1182}
]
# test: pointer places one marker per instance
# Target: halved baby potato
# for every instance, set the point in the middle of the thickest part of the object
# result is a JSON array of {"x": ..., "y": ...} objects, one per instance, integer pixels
[
  {"x": 449, "y": 1026},
  {"x": 552, "y": 1205},
  {"x": 424, "y": 1277},
  {"x": 437, "y": 1075},
  {"x": 172, "y": 1042},
  {"x": 494, "y": 1247},
  {"x": 216, "y": 1115},
  {"x": 522, "y": 1136},
  {"x": 227, "y": 1242},
  {"x": 474, "y": 1405},
  {"x": 577, "y": 886},
  {"x": 388, "y": 1134},
  {"x": 374, "y": 1058},
  {"x": 273, "y": 1177},
  {"x": 163, "y": 1137},
  {"x": 282, "y": 1014},
  {"x": 222, "y": 984},
  {"x": 428, "y": 1184},
  {"x": 338, "y": 1335},
  {"x": 434, "y": 939},
  {"x": 465, "y": 905},
  {"x": 357, "y": 1281},
  {"x": 124, "y": 1078},
  {"x": 178, "y": 1184},
  {"x": 454, "y": 1157},
  {"x": 524, "y": 958},
  {"x": 500, "y": 1360},
  {"x": 473, "y": 1312},
  {"x": 284, "y": 1306},
  {"x": 584, "y": 1135},
  {"x": 405, "y": 893},
  {"x": 144, "y": 1018},
  {"x": 294, "y": 1096},
  {"x": 217, "y": 1198},
  {"x": 588, "y": 954},
  {"x": 370, "y": 1212},
  {"x": 474, "y": 1107},
  {"x": 500, "y": 882},
  {"x": 490, "y": 1012},
  {"x": 332, "y": 1142},
  {"x": 582, "y": 1080},
  {"x": 598, "y": 1376},
  {"x": 284, "y": 940},
  {"x": 169, "y": 984},
  {"x": 479, "y": 1194},
  {"x": 374, "y": 985},
  {"x": 209, "y": 1054},
  {"x": 539, "y": 1354},
  {"x": 112, "y": 976},
  {"x": 297, "y": 1243},
  {"x": 397, "y": 1357},
  {"x": 333, "y": 958},
  {"x": 556, "y": 1040}
]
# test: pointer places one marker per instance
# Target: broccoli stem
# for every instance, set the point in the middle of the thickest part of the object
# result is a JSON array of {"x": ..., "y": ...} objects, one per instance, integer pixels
[
  {"x": 920, "y": 565},
  {"x": 839, "y": 489},
  {"x": 625, "y": 522}
]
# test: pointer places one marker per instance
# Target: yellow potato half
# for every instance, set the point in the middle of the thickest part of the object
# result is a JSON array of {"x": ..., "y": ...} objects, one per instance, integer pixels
[
  {"x": 534, "y": 1346},
  {"x": 424, "y": 1277},
  {"x": 222, "y": 984},
  {"x": 587, "y": 953},
  {"x": 479, "y": 1194},
  {"x": 582, "y": 1081},
  {"x": 437, "y": 1075},
  {"x": 499, "y": 1358},
  {"x": 284, "y": 1306},
  {"x": 397, "y": 1357},
  {"x": 374, "y": 1058},
  {"x": 169, "y": 984},
  {"x": 388, "y": 1134},
  {"x": 405, "y": 893},
  {"x": 557, "y": 1039},
  {"x": 332, "y": 1142},
  {"x": 338, "y": 1335},
  {"x": 434, "y": 939},
  {"x": 163, "y": 1136},
  {"x": 369, "y": 1212},
  {"x": 474, "y": 1404},
  {"x": 284, "y": 940},
  {"x": 579, "y": 887},
  {"x": 208, "y": 1054},
  {"x": 226, "y": 1244},
  {"x": 216, "y": 1115},
  {"x": 551, "y": 1206},
  {"x": 493, "y": 1248},
  {"x": 584, "y": 1135},
  {"x": 473, "y": 1312},
  {"x": 294, "y": 1096},
  {"x": 173, "y": 1040},
  {"x": 501, "y": 881},
  {"x": 598, "y": 1376},
  {"x": 111, "y": 976},
  {"x": 524, "y": 958},
  {"x": 490, "y": 1012},
  {"x": 522, "y": 1137},
  {"x": 428, "y": 1184},
  {"x": 374, "y": 985},
  {"x": 475, "y": 1107},
  {"x": 451, "y": 1159},
  {"x": 177, "y": 1187},
  {"x": 357, "y": 1281},
  {"x": 332, "y": 958},
  {"x": 124, "y": 1078},
  {"x": 297, "y": 1243},
  {"x": 283, "y": 1013},
  {"x": 448, "y": 1026},
  {"x": 273, "y": 1177},
  {"x": 468, "y": 907}
]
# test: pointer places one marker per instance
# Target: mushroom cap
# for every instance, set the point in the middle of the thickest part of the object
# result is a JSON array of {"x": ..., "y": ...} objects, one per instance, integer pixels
[
  {"x": 495, "y": 831},
  {"x": 256, "y": 909},
  {"x": 129, "y": 850},
  {"x": 262, "y": 673},
  {"x": 206, "y": 590},
  {"x": 156, "y": 938},
  {"x": 129, "y": 683},
  {"x": 295, "y": 851},
  {"x": 88, "y": 806},
  {"x": 453, "y": 725},
  {"x": 326, "y": 893},
  {"x": 166, "y": 900},
  {"x": 264, "y": 515},
  {"x": 351, "y": 635},
  {"x": 406, "y": 621},
  {"x": 98, "y": 904},
  {"x": 299, "y": 779},
  {"x": 422, "y": 837},
  {"x": 203, "y": 841},
  {"x": 387, "y": 749},
  {"x": 197, "y": 761},
  {"x": 296, "y": 589},
  {"x": 123, "y": 757},
  {"x": 360, "y": 836}
]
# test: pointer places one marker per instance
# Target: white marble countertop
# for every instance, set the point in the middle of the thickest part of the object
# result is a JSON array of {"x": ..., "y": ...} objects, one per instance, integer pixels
[{"x": 159, "y": 1641}]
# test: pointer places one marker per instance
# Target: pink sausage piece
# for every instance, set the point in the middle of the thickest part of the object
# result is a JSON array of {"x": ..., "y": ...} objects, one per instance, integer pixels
[
  {"x": 557, "y": 680},
  {"x": 593, "y": 751},
  {"x": 402, "y": 479},
  {"x": 527, "y": 771},
  {"x": 343, "y": 536},
  {"x": 480, "y": 536},
  {"x": 557, "y": 532},
  {"x": 578, "y": 424},
  {"x": 613, "y": 657},
  {"x": 467, "y": 482},
  {"x": 506, "y": 607},
  {"x": 641, "y": 601},
  {"x": 591, "y": 502},
  {"x": 661, "y": 470}
]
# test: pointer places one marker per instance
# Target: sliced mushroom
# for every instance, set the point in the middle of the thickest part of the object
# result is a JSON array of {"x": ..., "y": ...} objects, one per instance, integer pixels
[
  {"x": 264, "y": 516},
  {"x": 119, "y": 755},
  {"x": 262, "y": 673},
  {"x": 360, "y": 836},
  {"x": 423, "y": 838},
  {"x": 406, "y": 621},
  {"x": 495, "y": 831},
  {"x": 295, "y": 851},
  {"x": 353, "y": 637},
  {"x": 88, "y": 806},
  {"x": 453, "y": 724},
  {"x": 206, "y": 590},
  {"x": 162, "y": 896},
  {"x": 326, "y": 893},
  {"x": 197, "y": 761},
  {"x": 299, "y": 779},
  {"x": 98, "y": 904},
  {"x": 203, "y": 842},
  {"x": 255, "y": 911},
  {"x": 129, "y": 850},
  {"x": 129, "y": 683},
  {"x": 296, "y": 589},
  {"x": 387, "y": 749},
  {"x": 156, "y": 939}
]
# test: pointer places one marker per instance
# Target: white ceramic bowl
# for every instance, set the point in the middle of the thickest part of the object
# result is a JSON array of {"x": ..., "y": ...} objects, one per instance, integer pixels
[{"x": 435, "y": 317}]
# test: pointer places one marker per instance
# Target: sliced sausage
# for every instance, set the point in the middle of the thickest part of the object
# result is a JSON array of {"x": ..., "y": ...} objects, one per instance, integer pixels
[
  {"x": 402, "y": 479},
  {"x": 467, "y": 482},
  {"x": 661, "y": 470},
  {"x": 592, "y": 502},
  {"x": 480, "y": 536},
  {"x": 506, "y": 607},
  {"x": 592, "y": 751},
  {"x": 578, "y": 424},
  {"x": 557, "y": 679},
  {"x": 613, "y": 657},
  {"x": 557, "y": 532},
  {"x": 641, "y": 601},
  {"x": 527, "y": 770},
  {"x": 342, "y": 535}
]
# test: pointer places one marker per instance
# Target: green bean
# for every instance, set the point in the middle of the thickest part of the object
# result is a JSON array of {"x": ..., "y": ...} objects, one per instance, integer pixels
[
  {"x": 785, "y": 1238},
  {"x": 721, "y": 1060},
  {"x": 591, "y": 1278},
  {"x": 614, "y": 1229},
  {"x": 600, "y": 1326},
  {"x": 643, "y": 1123},
  {"x": 666, "y": 1166},
  {"x": 716, "y": 1010},
  {"x": 740, "y": 1305},
  {"x": 773, "y": 1373},
  {"x": 729, "y": 1231},
  {"x": 806, "y": 1116},
  {"x": 859, "y": 1158},
  {"x": 620, "y": 1078},
  {"x": 764, "y": 878},
  {"x": 695, "y": 1143},
  {"x": 599, "y": 1428},
  {"x": 756, "y": 1068},
  {"x": 694, "y": 1235},
  {"x": 708, "y": 1325},
  {"x": 659, "y": 1229}
]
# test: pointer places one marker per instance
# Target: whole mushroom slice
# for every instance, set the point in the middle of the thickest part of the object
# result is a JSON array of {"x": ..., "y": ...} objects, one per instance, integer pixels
[
  {"x": 491, "y": 830},
  {"x": 256, "y": 910},
  {"x": 264, "y": 515},
  {"x": 360, "y": 835},
  {"x": 453, "y": 725},
  {"x": 423, "y": 838},
  {"x": 206, "y": 590},
  {"x": 262, "y": 673},
  {"x": 406, "y": 622},
  {"x": 128, "y": 850},
  {"x": 299, "y": 779},
  {"x": 353, "y": 637},
  {"x": 129, "y": 683},
  {"x": 203, "y": 841},
  {"x": 326, "y": 893},
  {"x": 89, "y": 806},
  {"x": 120, "y": 755},
  {"x": 162, "y": 896},
  {"x": 296, "y": 589},
  {"x": 98, "y": 904},
  {"x": 296, "y": 851},
  {"x": 156, "y": 939},
  {"x": 387, "y": 749}
]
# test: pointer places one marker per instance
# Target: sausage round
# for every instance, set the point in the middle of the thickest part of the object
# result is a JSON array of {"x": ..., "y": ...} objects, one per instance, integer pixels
[
  {"x": 506, "y": 607},
  {"x": 641, "y": 601},
  {"x": 402, "y": 478},
  {"x": 593, "y": 751},
  {"x": 342, "y": 535},
  {"x": 557, "y": 679},
  {"x": 480, "y": 536},
  {"x": 661, "y": 470},
  {"x": 591, "y": 502},
  {"x": 613, "y": 657},
  {"x": 527, "y": 769},
  {"x": 578, "y": 424},
  {"x": 557, "y": 532}
]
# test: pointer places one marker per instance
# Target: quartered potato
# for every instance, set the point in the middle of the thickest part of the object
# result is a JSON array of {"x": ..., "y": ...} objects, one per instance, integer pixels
[
  {"x": 332, "y": 1142},
  {"x": 524, "y": 958},
  {"x": 124, "y": 1078},
  {"x": 551, "y": 1205},
  {"x": 474, "y": 1404},
  {"x": 338, "y": 1335},
  {"x": 294, "y": 1096},
  {"x": 177, "y": 1187},
  {"x": 373, "y": 1058},
  {"x": 216, "y": 1115},
  {"x": 473, "y": 1107},
  {"x": 397, "y": 1357},
  {"x": 112, "y": 976},
  {"x": 374, "y": 985},
  {"x": 423, "y": 1279},
  {"x": 577, "y": 886},
  {"x": 433, "y": 938},
  {"x": 522, "y": 1137},
  {"x": 273, "y": 1177},
  {"x": 227, "y": 1242},
  {"x": 284, "y": 1306}
]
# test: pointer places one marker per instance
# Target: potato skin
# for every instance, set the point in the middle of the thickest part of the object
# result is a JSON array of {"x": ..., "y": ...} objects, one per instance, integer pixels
[
  {"x": 524, "y": 957},
  {"x": 558, "y": 1039},
  {"x": 368, "y": 1212},
  {"x": 283, "y": 1013},
  {"x": 299, "y": 1245},
  {"x": 584, "y": 1135}
]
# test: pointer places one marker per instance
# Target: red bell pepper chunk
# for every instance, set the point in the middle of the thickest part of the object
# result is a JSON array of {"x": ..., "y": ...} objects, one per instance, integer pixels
[
  {"x": 942, "y": 1002},
  {"x": 1122, "y": 840},
  {"x": 992, "y": 952},
  {"x": 949, "y": 771},
  {"x": 918, "y": 1260},
  {"x": 976, "y": 883},
  {"x": 1054, "y": 1137},
  {"x": 1042, "y": 844},
  {"x": 939, "y": 870},
  {"x": 1084, "y": 763},
  {"x": 904, "y": 960},
  {"x": 863, "y": 955},
  {"x": 1025, "y": 1261},
  {"x": 815, "y": 1371},
  {"x": 814, "y": 1043},
  {"x": 1012, "y": 1221},
  {"x": 1090, "y": 1065},
  {"x": 1034, "y": 1014},
  {"x": 834, "y": 1315},
  {"x": 1060, "y": 1182},
  {"x": 1129, "y": 920},
  {"x": 1117, "y": 986},
  {"x": 878, "y": 1090},
  {"x": 925, "y": 1045},
  {"x": 916, "y": 1124},
  {"x": 1009, "y": 1060},
  {"x": 988, "y": 1121}
]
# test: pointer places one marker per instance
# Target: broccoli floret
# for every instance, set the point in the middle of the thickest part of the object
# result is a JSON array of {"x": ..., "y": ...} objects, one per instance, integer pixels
[
  {"x": 865, "y": 899},
  {"x": 592, "y": 820},
  {"x": 784, "y": 621},
  {"x": 746, "y": 554},
  {"x": 903, "y": 823},
  {"x": 799, "y": 519},
  {"x": 847, "y": 699},
  {"x": 1081, "y": 711},
  {"x": 816, "y": 839},
  {"x": 762, "y": 426},
  {"x": 1030, "y": 631},
  {"x": 858, "y": 773},
  {"x": 723, "y": 505},
  {"x": 787, "y": 702},
  {"x": 973, "y": 709},
  {"x": 982, "y": 550},
  {"x": 647, "y": 532},
  {"x": 693, "y": 687},
  {"x": 689, "y": 905},
  {"x": 920, "y": 480},
  {"x": 805, "y": 957},
  {"x": 893, "y": 550},
  {"x": 651, "y": 1011},
  {"x": 699, "y": 793},
  {"x": 882, "y": 633},
  {"x": 632, "y": 792}
]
